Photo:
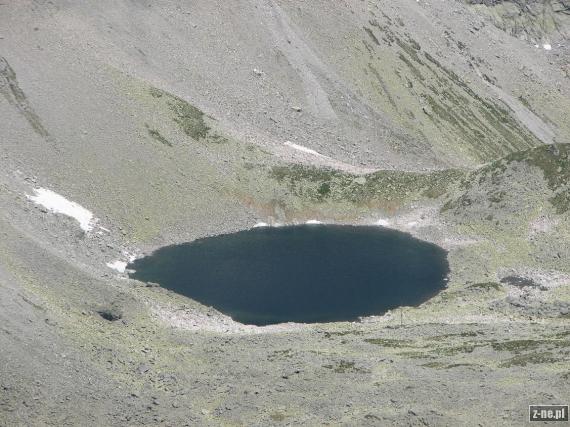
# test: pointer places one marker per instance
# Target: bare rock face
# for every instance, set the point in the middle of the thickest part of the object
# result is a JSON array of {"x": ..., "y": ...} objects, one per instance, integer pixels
[{"x": 532, "y": 20}]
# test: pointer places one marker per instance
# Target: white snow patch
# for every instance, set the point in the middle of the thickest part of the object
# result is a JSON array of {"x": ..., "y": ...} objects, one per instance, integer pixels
[
  {"x": 261, "y": 224},
  {"x": 547, "y": 46},
  {"x": 383, "y": 222},
  {"x": 303, "y": 149},
  {"x": 130, "y": 256},
  {"x": 59, "y": 204},
  {"x": 313, "y": 222},
  {"x": 120, "y": 266}
]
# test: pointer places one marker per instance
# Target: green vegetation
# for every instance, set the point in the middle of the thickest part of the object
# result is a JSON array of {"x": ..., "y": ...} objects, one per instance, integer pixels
[
  {"x": 561, "y": 334},
  {"x": 385, "y": 90},
  {"x": 324, "y": 189},
  {"x": 463, "y": 348},
  {"x": 525, "y": 102},
  {"x": 280, "y": 354},
  {"x": 371, "y": 34},
  {"x": 189, "y": 118},
  {"x": 415, "y": 71},
  {"x": 344, "y": 367},
  {"x": 411, "y": 47},
  {"x": 158, "y": 137},
  {"x": 446, "y": 107},
  {"x": 277, "y": 416},
  {"x": 487, "y": 286},
  {"x": 487, "y": 128},
  {"x": 388, "y": 342},
  {"x": 441, "y": 365},
  {"x": 530, "y": 358},
  {"x": 461, "y": 334},
  {"x": 414, "y": 355},
  {"x": 342, "y": 333},
  {"x": 552, "y": 160},
  {"x": 321, "y": 184},
  {"x": 527, "y": 20},
  {"x": 16, "y": 96},
  {"x": 516, "y": 345}
]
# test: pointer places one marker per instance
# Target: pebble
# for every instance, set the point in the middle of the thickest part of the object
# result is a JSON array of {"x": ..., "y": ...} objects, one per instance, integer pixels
[{"x": 143, "y": 369}]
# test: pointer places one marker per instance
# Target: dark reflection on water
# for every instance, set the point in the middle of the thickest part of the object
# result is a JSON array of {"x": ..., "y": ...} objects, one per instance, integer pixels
[{"x": 307, "y": 274}]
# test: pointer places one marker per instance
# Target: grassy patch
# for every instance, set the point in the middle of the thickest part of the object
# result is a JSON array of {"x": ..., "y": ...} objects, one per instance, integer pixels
[
  {"x": 552, "y": 160},
  {"x": 280, "y": 355},
  {"x": 414, "y": 355},
  {"x": 16, "y": 96},
  {"x": 516, "y": 345},
  {"x": 154, "y": 134},
  {"x": 452, "y": 351},
  {"x": 441, "y": 365},
  {"x": 324, "y": 189},
  {"x": 486, "y": 128},
  {"x": 530, "y": 358},
  {"x": 277, "y": 417},
  {"x": 190, "y": 119},
  {"x": 461, "y": 334},
  {"x": 389, "y": 342},
  {"x": 372, "y": 36},
  {"x": 324, "y": 184},
  {"x": 344, "y": 367},
  {"x": 486, "y": 286},
  {"x": 525, "y": 102},
  {"x": 342, "y": 333},
  {"x": 561, "y": 334}
]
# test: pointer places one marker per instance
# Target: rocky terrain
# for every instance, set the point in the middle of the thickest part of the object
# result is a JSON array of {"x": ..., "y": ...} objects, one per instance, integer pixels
[{"x": 163, "y": 122}]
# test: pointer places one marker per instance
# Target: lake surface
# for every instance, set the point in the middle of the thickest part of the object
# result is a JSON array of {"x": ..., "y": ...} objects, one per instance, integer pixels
[{"x": 305, "y": 274}]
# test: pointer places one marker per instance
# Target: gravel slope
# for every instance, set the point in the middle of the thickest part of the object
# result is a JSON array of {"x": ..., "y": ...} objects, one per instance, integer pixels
[{"x": 171, "y": 121}]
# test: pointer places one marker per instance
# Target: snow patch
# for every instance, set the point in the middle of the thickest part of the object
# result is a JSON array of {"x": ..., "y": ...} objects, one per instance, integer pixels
[
  {"x": 303, "y": 149},
  {"x": 59, "y": 204},
  {"x": 130, "y": 256},
  {"x": 313, "y": 222},
  {"x": 120, "y": 266},
  {"x": 547, "y": 46},
  {"x": 383, "y": 222},
  {"x": 261, "y": 224}
]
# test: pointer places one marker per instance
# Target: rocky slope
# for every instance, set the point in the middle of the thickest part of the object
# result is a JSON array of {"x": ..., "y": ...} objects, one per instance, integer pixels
[
  {"x": 170, "y": 121},
  {"x": 532, "y": 20}
]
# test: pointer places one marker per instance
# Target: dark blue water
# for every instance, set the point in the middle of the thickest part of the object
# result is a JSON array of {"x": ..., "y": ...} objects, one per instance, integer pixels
[{"x": 305, "y": 274}]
